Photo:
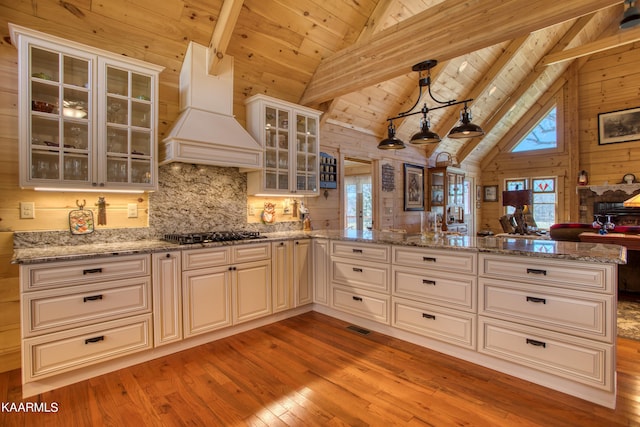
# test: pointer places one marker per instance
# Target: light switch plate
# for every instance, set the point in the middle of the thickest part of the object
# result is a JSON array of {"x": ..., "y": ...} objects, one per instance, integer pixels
[
  {"x": 27, "y": 210},
  {"x": 132, "y": 210}
]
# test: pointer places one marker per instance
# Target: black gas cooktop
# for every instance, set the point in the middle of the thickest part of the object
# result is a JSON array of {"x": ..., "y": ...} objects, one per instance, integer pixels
[{"x": 212, "y": 236}]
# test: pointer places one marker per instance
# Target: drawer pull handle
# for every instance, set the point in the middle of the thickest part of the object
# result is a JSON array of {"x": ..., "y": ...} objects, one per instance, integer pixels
[
  {"x": 536, "y": 271},
  {"x": 95, "y": 339},
  {"x": 357, "y": 251},
  {"x": 92, "y": 298},
  {"x": 428, "y": 282},
  {"x": 357, "y": 270},
  {"x": 92, "y": 270},
  {"x": 357, "y": 299},
  {"x": 537, "y": 343},
  {"x": 428, "y": 316},
  {"x": 537, "y": 300},
  {"x": 428, "y": 259}
]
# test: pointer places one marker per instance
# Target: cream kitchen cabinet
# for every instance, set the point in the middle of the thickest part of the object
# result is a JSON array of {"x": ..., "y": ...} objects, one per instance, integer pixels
[
  {"x": 360, "y": 279},
  {"x": 88, "y": 118},
  {"x": 167, "y": 297},
  {"x": 292, "y": 282},
  {"x": 434, "y": 294},
  {"x": 79, "y": 313},
  {"x": 225, "y": 285},
  {"x": 321, "y": 265},
  {"x": 282, "y": 275},
  {"x": 556, "y": 316},
  {"x": 302, "y": 269},
  {"x": 289, "y": 134}
]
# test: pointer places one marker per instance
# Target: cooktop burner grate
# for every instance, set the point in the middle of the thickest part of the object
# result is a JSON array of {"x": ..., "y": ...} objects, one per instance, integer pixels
[{"x": 213, "y": 236}]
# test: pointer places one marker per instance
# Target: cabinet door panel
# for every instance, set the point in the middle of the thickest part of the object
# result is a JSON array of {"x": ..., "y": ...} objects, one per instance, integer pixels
[
  {"x": 251, "y": 291},
  {"x": 206, "y": 296}
]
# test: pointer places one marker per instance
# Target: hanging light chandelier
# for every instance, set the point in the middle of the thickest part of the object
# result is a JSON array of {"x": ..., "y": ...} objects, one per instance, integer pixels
[
  {"x": 466, "y": 129},
  {"x": 631, "y": 16}
]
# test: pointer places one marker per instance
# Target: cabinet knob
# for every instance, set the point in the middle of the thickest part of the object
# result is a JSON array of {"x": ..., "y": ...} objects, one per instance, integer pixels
[{"x": 168, "y": 255}]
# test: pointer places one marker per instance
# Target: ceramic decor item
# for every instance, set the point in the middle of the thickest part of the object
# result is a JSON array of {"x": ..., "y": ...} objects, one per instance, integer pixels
[{"x": 81, "y": 221}]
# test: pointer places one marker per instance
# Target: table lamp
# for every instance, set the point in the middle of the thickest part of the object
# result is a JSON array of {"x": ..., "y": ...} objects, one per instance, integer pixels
[{"x": 518, "y": 199}]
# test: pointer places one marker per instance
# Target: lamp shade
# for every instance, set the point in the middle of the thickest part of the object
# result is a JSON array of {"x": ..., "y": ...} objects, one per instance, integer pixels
[
  {"x": 466, "y": 129},
  {"x": 425, "y": 136},
  {"x": 391, "y": 142},
  {"x": 517, "y": 198},
  {"x": 633, "y": 202},
  {"x": 631, "y": 16}
]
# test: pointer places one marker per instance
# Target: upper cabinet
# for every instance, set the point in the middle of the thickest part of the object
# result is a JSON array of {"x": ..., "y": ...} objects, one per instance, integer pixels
[
  {"x": 446, "y": 196},
  {"x": 289, "y": 134},
  {"x": 88, "y": 118}
]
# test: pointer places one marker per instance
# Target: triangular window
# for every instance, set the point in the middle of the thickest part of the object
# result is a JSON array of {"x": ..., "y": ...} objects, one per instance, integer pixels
[{"x": 543, "y": 135}]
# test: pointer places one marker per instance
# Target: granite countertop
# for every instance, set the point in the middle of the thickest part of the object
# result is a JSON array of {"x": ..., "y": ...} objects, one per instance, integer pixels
[{"x": 591, "y": 252}]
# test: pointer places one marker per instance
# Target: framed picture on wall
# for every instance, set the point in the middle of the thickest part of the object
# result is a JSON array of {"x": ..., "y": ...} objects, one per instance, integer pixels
[
  {"x": 413, "y": 187},
  {"x": 619, "y": 126},
  {"x": 490, "y": 193}
]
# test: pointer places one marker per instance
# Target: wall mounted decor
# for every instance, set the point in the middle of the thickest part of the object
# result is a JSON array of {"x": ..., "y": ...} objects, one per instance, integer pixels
[
  {"x": 490, "y": 193},
  {"x": 619, "y": 126},
  {"x": 413, "y": 187},
  {"x": 388, "y": 178}
]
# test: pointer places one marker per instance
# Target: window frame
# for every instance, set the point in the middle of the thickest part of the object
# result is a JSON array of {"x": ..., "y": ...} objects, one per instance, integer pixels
[{"x": 508, "y": 210}]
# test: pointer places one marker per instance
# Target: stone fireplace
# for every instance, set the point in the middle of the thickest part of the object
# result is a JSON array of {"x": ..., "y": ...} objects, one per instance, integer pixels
[{"x": 608, "y": 199}]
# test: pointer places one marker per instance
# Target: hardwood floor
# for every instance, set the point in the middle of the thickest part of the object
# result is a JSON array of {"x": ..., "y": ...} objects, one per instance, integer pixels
[{"x": 311, "y": 370}]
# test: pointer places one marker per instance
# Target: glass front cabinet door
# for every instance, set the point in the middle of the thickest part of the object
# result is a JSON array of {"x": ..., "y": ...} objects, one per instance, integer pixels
[
  {"x": 289, "y": 135},
  {"x": 87, "y": 117}
]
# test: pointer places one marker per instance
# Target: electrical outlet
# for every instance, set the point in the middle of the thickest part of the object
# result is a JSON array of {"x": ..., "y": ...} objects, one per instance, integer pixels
[
  {"x": 132, "y": 210},
  {"x": 252, "y": 210},
  {"x": 27, "y": 210}
]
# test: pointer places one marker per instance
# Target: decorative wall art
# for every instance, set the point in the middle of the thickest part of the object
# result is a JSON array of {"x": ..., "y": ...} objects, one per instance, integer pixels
[
  {"x": 490, "y": 193},
  {"x": 413, "y": 187},
  {"x": 388, "y": 173},
  {"x": 619, "y": 126}
]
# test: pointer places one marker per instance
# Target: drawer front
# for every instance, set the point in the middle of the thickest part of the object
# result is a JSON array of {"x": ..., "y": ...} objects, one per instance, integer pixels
[
  {"x": 58, "y": 309},
  {"x": 251, "y": 252},
  {"x": 458, "y": 261},
  {"x": 454, "y": 327},
  {"x": 205, "y": 258},
  {"x": 362, "y": 303},
  {"x": 361, "y": 274},
  {"x": 565, "y": 274},
  {"x": 63, "y": 351},
  {"x": 360, "y": 251},
  {"x": 64, "y": 273},
  {"x": 452, "y": 290},
  {"x": 580, "y": 360},
  {"x": 577, "y": 313}
]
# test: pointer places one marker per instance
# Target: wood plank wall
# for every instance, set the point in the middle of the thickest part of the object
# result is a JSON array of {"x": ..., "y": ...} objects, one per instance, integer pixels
[{"x": 608, "y": 81}]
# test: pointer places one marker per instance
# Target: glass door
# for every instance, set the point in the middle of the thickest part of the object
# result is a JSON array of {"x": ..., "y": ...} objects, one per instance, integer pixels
[
  {"x": 60, "y": 126},
  {"x": 306, "y": 154},
  {"x": 129, "y": 138},
  {"x": 276, "y": 149}
]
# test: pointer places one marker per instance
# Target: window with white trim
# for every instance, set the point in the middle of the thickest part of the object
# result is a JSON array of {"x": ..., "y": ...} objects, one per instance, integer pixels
[{"x": 542, "y": 136}]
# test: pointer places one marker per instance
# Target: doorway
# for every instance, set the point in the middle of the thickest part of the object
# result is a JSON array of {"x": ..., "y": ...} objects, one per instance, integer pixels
[{"x": 358, "y": 194}]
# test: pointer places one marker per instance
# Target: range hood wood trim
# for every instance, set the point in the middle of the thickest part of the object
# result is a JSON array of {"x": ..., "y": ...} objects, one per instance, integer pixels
[{"x": 209, "y": 154}]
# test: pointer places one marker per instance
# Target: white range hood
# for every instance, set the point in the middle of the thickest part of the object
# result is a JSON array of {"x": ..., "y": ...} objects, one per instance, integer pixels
[{"x": 206, "y": 131}]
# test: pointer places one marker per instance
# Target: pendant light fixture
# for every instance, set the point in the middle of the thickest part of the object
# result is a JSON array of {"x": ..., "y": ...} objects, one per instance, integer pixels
[
  {"x": 466, "y": 129},
  {"x": 631, "y": 16}
]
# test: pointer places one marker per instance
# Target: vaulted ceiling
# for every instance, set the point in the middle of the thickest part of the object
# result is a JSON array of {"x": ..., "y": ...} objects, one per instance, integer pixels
[{"x": 352, "y": 58}]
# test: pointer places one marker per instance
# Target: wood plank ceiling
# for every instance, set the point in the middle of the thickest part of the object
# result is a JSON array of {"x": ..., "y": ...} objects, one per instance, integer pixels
[{"x": 353, "y": 59}]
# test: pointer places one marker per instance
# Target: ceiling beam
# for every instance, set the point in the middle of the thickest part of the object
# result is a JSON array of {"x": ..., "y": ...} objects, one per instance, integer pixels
[
  {"x": 573, "y": 34},
  {"x": 476, "y": 23},
  {"x": 222, "y": 33},
  {"x": 631, "y": 35}
]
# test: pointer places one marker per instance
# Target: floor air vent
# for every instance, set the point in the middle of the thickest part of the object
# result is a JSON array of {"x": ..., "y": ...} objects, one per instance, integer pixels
[{"x": 359, "y": 330}]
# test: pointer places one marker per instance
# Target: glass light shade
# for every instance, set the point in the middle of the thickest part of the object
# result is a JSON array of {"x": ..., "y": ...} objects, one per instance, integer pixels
[{"x": 633, "y": 202}]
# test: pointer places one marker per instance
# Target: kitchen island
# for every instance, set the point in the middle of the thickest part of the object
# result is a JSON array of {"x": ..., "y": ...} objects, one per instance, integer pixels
[{"x": 540, "y": 310}]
